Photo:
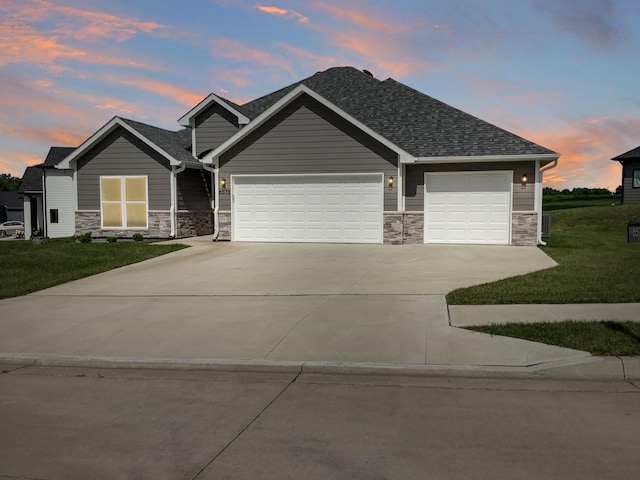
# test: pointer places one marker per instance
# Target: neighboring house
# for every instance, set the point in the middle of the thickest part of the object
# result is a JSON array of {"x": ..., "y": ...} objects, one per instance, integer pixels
[
  {"x": 11, "y": 207},
  {"x": 337, "y": 157},
  {"x": 630, "y": 162},
  {"x": 53, "y": 214}
]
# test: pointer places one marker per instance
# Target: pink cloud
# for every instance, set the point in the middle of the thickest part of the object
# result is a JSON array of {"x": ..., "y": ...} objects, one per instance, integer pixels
[
  {"x": 239, "y": 52},
  {"x": 22, "y": 43},
  {"x": 283, "y": 12},
  {"x": 321, "y": 62},
  {"x": 81, "y": 24},
  {"x": 15, "y": 162},
  {"x": 22, "y": 40},
  {"x": 377, "y": 51},
  {"x": 586, "y": 147},
  {"x": 178, "y": 94},
  {"x": 51, "y": 135},
  {"x": 362, "y": 17}
]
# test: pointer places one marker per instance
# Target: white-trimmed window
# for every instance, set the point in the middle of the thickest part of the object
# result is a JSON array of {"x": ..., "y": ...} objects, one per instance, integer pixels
[
  {"x": 635, "y": 180},
  {"x": 123, "y": 202}
]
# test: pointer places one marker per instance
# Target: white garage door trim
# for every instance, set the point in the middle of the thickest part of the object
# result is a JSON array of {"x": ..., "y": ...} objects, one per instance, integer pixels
[
  {"x": 317, "y": 208},
  {"x": 468, "y": 207}
]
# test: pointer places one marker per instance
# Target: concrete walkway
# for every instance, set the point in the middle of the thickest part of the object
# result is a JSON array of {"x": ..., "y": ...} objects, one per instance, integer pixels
[{"x": 275, "y": 305}]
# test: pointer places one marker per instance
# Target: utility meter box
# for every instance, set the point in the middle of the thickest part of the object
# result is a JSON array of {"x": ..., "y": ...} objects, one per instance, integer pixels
[{"x": 633, "y": 231}]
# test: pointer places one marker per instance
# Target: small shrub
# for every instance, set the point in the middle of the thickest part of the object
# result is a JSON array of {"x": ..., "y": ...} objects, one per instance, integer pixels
[
  {"x": 86, "y": 238},
  {"x": 137, "y": 237},
  {"x": 112, "y": 239}
]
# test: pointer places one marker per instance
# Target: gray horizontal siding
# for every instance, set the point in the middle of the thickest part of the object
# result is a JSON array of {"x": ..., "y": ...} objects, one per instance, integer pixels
[
  {"x": 120, "y": 153},
  {"x": 631, "y": 195},
  {"x": 194, "y": 187},
  {"x": 523, "y": 199},
  {"x": 306, "y": 138},
  {"x": 213, "y": 127}
]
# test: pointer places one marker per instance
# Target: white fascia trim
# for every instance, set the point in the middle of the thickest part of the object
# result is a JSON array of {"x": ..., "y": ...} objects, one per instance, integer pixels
[
  {"x": 114, "y": 123},
  {"x": 283, "y": 102},
  {"x": 543, "y": 158},
  {"x": 204, "y": 104}
]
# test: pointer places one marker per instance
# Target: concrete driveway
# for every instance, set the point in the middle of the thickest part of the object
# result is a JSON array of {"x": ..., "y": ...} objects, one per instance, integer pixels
[{"x": 377, "y": 304}]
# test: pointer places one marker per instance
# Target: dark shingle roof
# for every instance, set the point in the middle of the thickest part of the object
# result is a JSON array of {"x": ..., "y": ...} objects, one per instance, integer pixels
[
  {"x": 415, "y": 122},
  {"x": 56, "y": 155},
  {"x": 175, "y": 144},
  {"x": 426, "y": 127},
  {"x": 336, "y": 84},
  {"x": 31, "y": 180},
  {"x": 11, "y": 200},
  {"x": 635, "y": 153}
]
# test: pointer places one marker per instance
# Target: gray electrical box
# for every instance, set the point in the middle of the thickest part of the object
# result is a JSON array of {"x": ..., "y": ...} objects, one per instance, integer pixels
[{"x": 633, "y": 231}]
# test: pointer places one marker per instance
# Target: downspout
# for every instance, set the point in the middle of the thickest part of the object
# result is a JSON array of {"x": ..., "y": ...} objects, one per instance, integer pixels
[
  {"x": 539, "y": 175},
  {"x": 174, "y": 196},
  {"x": 45, "y": 220},
  {"x": 216, "y": 198},
  {"x": 621, "y": 162}
]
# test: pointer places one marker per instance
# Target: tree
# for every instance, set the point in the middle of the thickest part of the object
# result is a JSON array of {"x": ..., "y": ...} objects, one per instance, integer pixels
[{"x": 9, "y": 183}]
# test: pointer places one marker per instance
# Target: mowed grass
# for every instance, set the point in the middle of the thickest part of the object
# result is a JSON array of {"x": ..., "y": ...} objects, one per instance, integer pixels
[
  {"x": 596, "y": 264},
  {"x": 26, "y": 267},
  {"x": 598, "y": 338}
]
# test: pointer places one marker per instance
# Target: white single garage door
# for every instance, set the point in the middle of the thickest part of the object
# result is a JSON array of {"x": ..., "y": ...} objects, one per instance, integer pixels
[
  {"x": 344, "y": 208},
  {"x": 468, "y": 207}
]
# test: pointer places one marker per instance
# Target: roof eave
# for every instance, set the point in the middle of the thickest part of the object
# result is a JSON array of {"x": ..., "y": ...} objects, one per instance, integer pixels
[
  {"x": 286, "y": 100},
  {"x": 186, "y": 119},
  {"x": 544, "y": 158},
  {"x": 101, "y": 134}
]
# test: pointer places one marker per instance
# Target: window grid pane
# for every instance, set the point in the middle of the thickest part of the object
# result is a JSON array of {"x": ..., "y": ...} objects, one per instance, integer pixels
[
  {"x": 112, "y": 214},
  {"x": 136, "y": 189},
  {"x": 111, "y": 189}
]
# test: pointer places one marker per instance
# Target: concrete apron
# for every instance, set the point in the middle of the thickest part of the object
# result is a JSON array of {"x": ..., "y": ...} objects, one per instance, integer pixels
[{"x": 324, "y": 304}]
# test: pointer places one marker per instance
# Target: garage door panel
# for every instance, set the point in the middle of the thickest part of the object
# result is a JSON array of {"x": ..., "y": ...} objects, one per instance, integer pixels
[
  {"x": 465, "y": 207},
  {"x": 308, "y": 208}
]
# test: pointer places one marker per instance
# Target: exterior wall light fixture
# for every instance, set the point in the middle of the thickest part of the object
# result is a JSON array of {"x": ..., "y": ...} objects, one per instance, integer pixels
[
  {"x": 524, "y": 180},
  {"x": 390, "y": 183},
  {"x": 223, "y": 184}
]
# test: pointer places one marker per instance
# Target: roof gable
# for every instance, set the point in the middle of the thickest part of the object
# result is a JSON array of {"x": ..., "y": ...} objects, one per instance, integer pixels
[
  {"x": 169, "y": 144},
  {"x": 211, "y": 99},
  {"x": 300, "y": 89}
]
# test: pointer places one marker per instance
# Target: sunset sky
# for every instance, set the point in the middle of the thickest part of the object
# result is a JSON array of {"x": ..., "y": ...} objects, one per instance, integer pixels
[{"x": 562, "y": 73}]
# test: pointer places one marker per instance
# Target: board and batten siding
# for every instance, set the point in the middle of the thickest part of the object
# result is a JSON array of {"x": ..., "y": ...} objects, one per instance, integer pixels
[
  {"x": 523, "y": 198},
  {"x": 194, "y": 190},
  {"x": 308, "y": 138},
  {"x": 213, "y": 127},
  {"x": 121, "y": 153},
  {"x": 631, "y": 195},
  {"x": 61, "y": 197}
]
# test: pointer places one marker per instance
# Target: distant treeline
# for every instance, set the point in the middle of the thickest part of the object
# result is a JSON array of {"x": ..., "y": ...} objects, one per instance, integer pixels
[
  {"x": 579, "y": 192},
  {"x": 553, "y": 199}
]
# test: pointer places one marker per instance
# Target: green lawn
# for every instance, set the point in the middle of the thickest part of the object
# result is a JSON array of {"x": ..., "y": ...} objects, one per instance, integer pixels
[
  {"x": 596, "y": 264},
  {"x": 598, "y": 338},
  {"x": 28, "y": 267}
]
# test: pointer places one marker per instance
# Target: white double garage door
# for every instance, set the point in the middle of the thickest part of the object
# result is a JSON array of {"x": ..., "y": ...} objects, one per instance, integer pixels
[{"x": 469, "y": 207}]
